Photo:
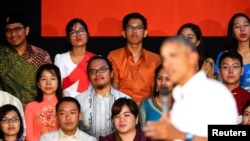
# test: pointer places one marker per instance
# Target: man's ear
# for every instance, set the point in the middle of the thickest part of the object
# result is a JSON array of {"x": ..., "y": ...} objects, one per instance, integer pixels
[
  {"x": 242, "y": 70},
  {"x": 194, "y": 58},
  {"x": 145, "y": 33},
  {"x": 123, "y": 34},
  {"x": 27, "y": 30},
  {"x": 198, "y": 43},
  {"x": 80, "y": 116}
]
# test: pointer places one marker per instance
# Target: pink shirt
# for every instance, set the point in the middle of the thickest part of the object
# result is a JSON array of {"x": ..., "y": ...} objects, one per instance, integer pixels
[{"x": 41, "y": 118}]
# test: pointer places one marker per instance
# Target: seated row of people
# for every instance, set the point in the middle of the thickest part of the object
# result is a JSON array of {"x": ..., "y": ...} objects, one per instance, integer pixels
[{"x": 133, "y": 65}]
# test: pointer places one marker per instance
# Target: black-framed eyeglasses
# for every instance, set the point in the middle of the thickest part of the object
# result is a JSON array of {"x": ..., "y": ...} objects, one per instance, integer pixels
[
  {"x": 138, "y": 28},
  {"x": 81, "y": 31},
  {"x": 101, "y": 70},
  {"x": 14, "y": 30},
  {"x": 226, "y": 68},
  {"x": 8, "y": 120}
]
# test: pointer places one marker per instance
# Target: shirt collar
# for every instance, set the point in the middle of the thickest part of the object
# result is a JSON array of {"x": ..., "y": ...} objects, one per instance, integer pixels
[
  {"x": 129, "y": 54},
  {"x": 180, "y": 91},
  {"x": 62, "y": 135},
  {"x": 112, "y": 92}
]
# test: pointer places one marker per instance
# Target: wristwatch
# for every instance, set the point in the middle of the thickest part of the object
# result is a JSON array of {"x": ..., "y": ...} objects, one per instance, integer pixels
[{"x": 189, "y": 137}]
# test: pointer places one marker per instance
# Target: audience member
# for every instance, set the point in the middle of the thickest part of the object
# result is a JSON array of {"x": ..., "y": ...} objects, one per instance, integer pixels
[
  {"x": 73, "y": 63},
  {"x": 133, "y": 65},
  {"x": 40, "y": 114},
  {"x": 7, "y": 98},
  {"x": 11, "y": 123},
  {"x": 125, "y": 116},
  {"x": 231, "y": 69},
  {"x": 238, "y": 34},
  {"x": 193, "y": 33},
  {"x": 197, "y": 99},
  {"x": 68, "y": 114},
  {"x": 19, "y": 61},
  {"x": 246, "y": 114},
  {"x": 96, "y": 102},
  {"x": 151, "y": 109}
]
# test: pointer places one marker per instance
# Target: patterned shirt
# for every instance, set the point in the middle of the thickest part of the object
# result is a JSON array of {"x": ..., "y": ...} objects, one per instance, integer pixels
[
  {"x": 41, "y": 117},
  {"x": 134, "y": 79},
  {"x": 36, "y": 56}
]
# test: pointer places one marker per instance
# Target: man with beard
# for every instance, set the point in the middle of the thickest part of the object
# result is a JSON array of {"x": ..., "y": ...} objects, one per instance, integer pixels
[{"x": 96, "y": 102}]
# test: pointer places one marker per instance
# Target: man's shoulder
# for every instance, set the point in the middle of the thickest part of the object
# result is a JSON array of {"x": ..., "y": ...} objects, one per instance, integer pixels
[
  {"x": 38, "y": 49},
  {"x": 117, "y": 51},
  {"x": 51, "y": 135},
  {"x": 119, "y": 94},
  {"x": 83, "y": 95},
  {"x": 86, "y": 136}
]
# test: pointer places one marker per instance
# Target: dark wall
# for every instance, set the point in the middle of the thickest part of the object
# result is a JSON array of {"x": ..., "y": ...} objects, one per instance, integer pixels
[{"x": 98, "y": 45}]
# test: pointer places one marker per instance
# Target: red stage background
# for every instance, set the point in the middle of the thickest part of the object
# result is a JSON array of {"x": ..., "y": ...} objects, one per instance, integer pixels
[{"x": 164, "y": 16}]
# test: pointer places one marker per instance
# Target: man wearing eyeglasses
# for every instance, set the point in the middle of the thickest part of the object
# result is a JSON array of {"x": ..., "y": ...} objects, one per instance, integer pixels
[
  {"x": 97, "y": 101},
  {"x": 133, "y": 65},
  {"x": 231, "y": 69},
  {"x": 20, "y": 60}
]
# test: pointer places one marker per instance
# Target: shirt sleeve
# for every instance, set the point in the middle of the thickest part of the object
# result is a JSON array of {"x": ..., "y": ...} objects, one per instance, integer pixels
[
  {"x": 28, "y": 114},
  {"x": 115, "y": 70},
  {"x": 217, "y": 65}
]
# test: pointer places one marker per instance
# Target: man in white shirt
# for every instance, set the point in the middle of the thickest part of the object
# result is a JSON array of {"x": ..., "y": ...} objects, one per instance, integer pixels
[
  {"x": 68, "y": 114},
  {"x": 198, "y": 100},
  {"x": 96, "y": 102}
]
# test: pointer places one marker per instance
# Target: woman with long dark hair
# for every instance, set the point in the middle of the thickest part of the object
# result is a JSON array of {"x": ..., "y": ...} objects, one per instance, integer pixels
[{"x": 40, "y": 114}]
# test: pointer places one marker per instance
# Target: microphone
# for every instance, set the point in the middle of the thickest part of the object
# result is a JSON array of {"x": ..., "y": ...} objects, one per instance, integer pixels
[{"x": 164, "y": 93}]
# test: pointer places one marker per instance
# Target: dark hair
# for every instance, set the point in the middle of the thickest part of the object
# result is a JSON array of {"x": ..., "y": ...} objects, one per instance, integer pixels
[
  {"x": 53, "y": 69},
  {"x": 70, "y": 25},
  {"x": 68, "y": 99},
  {"x": 247, "y": 104},
  {"x": 4, "y": 110},
  {"x": 157, "y": 70},
  {"x": 200, "y": 48},
  {"x": 96, "y": 58},
  {"x": 231, "y": 54},
  {"x": 135, "y": 15},
  {"x": 232, "y": 41},
  {"x": 119, "y": 103}
]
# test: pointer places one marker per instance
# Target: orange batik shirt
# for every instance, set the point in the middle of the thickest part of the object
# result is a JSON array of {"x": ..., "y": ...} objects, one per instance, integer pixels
[{"x": 134, "y": 79}]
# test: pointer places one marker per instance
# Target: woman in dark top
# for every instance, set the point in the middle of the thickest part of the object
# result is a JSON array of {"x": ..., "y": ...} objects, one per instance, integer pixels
[
  {"x": 11, "y": 123},
  {"x": 125, "y": 116}
]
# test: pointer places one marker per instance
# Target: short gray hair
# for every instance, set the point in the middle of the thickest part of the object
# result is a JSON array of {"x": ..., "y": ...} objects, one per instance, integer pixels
[{"x": 181, "y": 39}]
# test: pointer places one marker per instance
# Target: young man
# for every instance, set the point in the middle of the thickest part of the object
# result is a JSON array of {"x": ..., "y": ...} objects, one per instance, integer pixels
[
  {"x": 133, "y": 65},
  {"x": 19, "y": 61},
  {"x": 231, "y": 69},
  {"x": 198, "y": 100},
  {"x": 68, "y": 115},
  {"x": 96, "y": 102}
]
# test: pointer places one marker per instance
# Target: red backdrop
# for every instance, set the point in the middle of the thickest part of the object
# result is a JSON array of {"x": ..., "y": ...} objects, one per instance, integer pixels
[{"x": 164, "y": 16}]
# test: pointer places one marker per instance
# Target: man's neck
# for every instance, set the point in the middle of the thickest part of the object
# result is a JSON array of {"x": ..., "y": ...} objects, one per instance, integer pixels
[
  {"x": 188, "y": 76},
  {"x": 21, "y": 49},
  {"x": 69, "y": 133},
  {"x": 232, "y": 86},
  {"x": 103, "y": 91}
]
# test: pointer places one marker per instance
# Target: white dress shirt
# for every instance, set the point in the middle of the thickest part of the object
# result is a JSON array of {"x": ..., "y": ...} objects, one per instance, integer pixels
[
  {"x": 58, "y": 135},
  {"x": 202, "y": 101},
  {"x": 96, "y": 111}
]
